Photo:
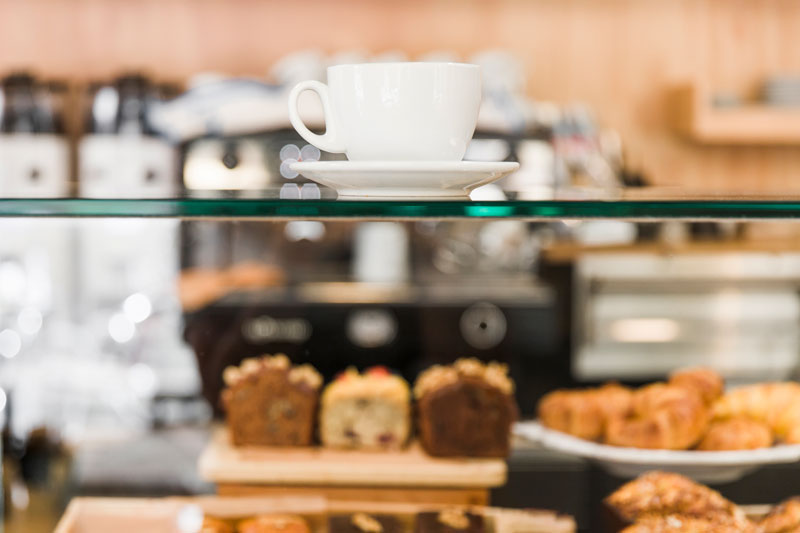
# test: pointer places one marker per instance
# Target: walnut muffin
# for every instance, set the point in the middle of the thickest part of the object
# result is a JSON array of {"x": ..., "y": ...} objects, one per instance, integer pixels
[{"x": 269, "y": 402}]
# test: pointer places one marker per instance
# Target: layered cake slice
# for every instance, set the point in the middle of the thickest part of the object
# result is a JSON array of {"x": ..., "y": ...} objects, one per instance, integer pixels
[
  {"x": 269, "y": 402},
  {"x": 370, "y": 410},
  {"x": 465, "y": 409}
]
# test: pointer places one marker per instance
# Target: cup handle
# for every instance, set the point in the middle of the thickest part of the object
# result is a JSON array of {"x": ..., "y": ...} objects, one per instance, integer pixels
[{"x": 330, "y": 141}]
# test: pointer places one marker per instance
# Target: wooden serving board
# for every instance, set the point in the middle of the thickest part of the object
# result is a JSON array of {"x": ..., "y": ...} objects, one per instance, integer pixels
[
  {"x": 221, "y": 462},
  {"x": 159, "y": 515}
]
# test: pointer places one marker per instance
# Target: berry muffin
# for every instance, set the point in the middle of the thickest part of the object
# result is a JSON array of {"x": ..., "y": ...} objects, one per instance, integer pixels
[{"x": 366, "y": 411}]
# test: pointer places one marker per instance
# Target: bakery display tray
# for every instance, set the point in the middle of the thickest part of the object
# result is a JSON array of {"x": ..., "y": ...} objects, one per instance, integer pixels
[
  {"x": 221, "y": 462},
  {"x": 707, "y": 467},
  {"x": 129, "y": 515}
]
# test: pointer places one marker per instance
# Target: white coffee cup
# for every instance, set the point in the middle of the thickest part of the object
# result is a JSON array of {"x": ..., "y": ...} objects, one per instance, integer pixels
[{"x": 395, "y": 111}]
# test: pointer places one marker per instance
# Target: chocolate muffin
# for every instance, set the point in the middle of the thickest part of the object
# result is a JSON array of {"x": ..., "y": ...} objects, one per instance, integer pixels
[
  {"x": 269, "y": 402},
  {"x": 465, "y": 409},
  {"x": 455, "y": 520},
  {"x": 364, "y": 523}
]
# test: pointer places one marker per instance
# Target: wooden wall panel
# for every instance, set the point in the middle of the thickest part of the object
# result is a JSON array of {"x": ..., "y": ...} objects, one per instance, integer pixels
[{"x": 620, "y": 56}]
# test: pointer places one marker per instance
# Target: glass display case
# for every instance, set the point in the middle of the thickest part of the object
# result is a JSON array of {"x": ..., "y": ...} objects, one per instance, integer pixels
[
  {"x": 518, "y": 276},
  {"x": 113, "y": 346}
]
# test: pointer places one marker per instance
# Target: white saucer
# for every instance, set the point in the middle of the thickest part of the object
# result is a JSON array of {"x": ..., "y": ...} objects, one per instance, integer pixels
[
  {"x": 707, "y": 467},
  {"x": 404, "y": 179}
]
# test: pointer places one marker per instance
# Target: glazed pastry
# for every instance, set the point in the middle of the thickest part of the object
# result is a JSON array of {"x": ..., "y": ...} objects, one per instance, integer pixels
[
  {"x": 585, "y": 413},
  {"x": 269, "y": 402},
  {"x": 198, "y": 287},
  {"x": 664, "y": 493},
  {"x": 663, "y": 417},
  {"x": 453, "y": 520},
  {"x": 364, "y": 523},
  {"x": 253, "y": 275},
  {"x": 736, "y": 434},
  {"x": 685, "y": 524},
  {"x": 465, "y": 409},
  {"x": 214, "y": 525},
  {"x": 274, "y": 523},
  {"x": 775, "y": 404},
  {"x": 784, "y": 518},
  {"x": 370, "y": 410},
  {"x": 708, "y": 383}
]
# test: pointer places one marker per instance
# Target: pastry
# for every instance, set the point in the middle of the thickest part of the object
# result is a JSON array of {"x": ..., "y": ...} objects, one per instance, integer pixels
[
  {"x": 370, "y": 410},
  {"x": 214, "y": 525},
  {"x": 253, "y": 275},
  {"x": 663, "y": 493},
  {"x": 663, "y": 416},
  {"x": 775, "y": 404},
  {"x": 672, "y": 415},
  {"x": 198, "y": 287},
  {"x": 736, "y": 434},
  {"x": 452, "y": 520},
  {"x": 708, "y": 383},
  {"x": 270, "y": 402},
  {"x": 585, "y": 413},
  {"x": 685, "y": 524},
  {"x": 364, "y": 523},
  {"x": 273, "y": 523},
  {"x": 784, "y": 518},
  {"x": 465, "y": 409}
]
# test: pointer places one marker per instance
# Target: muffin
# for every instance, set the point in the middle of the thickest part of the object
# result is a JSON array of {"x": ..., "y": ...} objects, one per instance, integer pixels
[
  {"x": 269, "y": 402},
  {"x": 366, "y": 411},
  {"x": 465, "y": 409},
  {"x": 273, "y": 523}
]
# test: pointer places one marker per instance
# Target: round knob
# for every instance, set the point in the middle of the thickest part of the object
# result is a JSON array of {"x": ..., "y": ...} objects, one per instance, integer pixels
[{"x": 483, "y": 325}]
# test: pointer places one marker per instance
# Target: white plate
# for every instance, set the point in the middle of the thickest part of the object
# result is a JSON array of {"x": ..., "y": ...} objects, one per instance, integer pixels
[
  {"x": 706, "y": 467},
  {"x": 405, "y": 179}
]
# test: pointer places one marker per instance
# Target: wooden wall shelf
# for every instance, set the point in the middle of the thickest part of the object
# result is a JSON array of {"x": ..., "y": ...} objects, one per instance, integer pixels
[{"x": 764, "y": 125}]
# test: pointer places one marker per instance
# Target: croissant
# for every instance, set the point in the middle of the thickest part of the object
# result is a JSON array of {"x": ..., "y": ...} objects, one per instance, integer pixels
[
  {"x": 684, "y": 524},
  {"x": 585, "y": 413},
  {"x": 736, "y": 434},
  {"x": 664, "y": 493},
  {"x": 775, "y": 404},
  {"x": 664, "y": 416},
  {"x": 783, "y": 518},
  {"x": 708, "y": 383}
]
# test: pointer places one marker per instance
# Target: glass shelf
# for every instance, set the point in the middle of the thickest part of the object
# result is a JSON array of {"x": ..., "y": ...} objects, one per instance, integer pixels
[{"x": 632, "y": 204}]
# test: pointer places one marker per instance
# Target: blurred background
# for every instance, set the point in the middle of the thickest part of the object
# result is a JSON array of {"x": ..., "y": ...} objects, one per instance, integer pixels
[
  {"x": 621, "y": 58},
  {"x": 114, "y": 333}
]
